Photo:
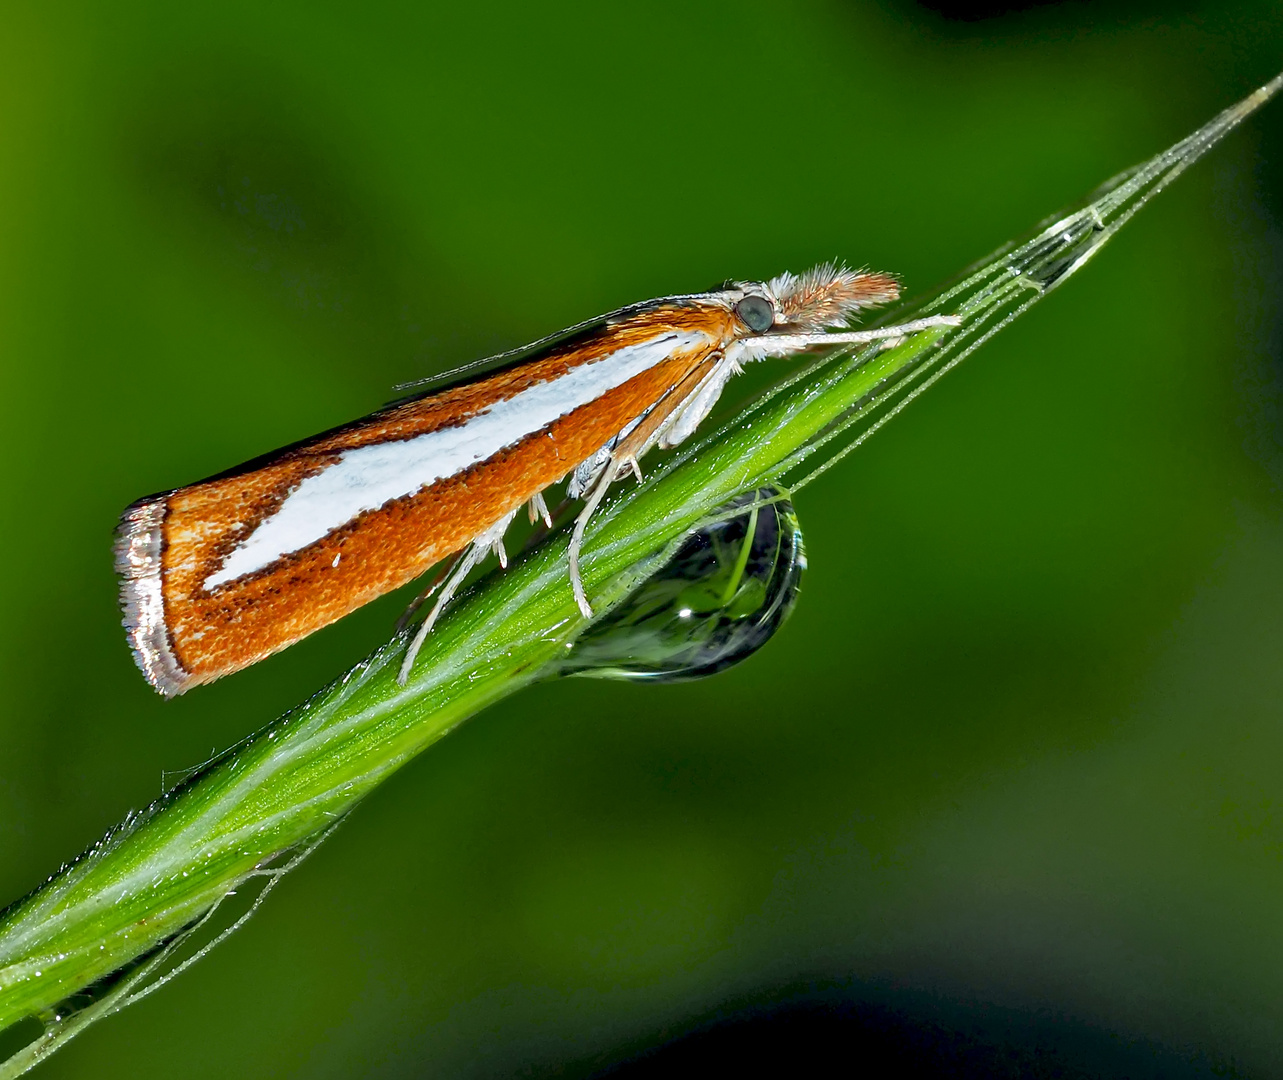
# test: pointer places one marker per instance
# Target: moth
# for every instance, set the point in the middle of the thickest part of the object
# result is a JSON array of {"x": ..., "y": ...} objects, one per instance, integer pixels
[{"x": 222, "y": 573}]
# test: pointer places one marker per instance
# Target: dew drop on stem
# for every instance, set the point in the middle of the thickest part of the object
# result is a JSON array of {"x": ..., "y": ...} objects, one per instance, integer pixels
[{"x": 723, "y": 595}]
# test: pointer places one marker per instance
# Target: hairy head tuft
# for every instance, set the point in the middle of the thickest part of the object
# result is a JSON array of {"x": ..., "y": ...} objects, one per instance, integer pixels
[{"x": 828, "y": 295}]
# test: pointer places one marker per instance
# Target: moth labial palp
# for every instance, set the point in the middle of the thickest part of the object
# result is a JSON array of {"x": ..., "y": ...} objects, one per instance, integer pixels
[{"x": 225, "y": 572}]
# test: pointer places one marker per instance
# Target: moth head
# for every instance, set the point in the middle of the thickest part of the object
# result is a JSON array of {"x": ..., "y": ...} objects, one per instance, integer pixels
[{"x": 826, "y": 297}]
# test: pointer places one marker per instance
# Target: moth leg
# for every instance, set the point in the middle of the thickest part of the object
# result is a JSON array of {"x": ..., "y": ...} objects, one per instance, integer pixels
[
  {"x": 544, "y": 527},
  {"x": 683, "y": 422},
  {"x": 423, "y": 597},
  {"x": 623, "y": 459},
  {"x": 471, "y": 556},
  {"x": 501, "y": 552},
  {"x": 418, "y": 602},
  {"x": 628, "y": 463},
  {"x": 538, "y": 509},
  {"x": 608, "y": 476}
]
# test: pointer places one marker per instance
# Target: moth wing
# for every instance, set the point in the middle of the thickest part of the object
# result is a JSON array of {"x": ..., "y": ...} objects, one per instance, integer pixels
[{"x": 500, "y": 362}]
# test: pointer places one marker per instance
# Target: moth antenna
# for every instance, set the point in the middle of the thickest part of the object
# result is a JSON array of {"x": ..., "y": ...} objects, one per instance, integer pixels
[{"x": 786, "y": 344}]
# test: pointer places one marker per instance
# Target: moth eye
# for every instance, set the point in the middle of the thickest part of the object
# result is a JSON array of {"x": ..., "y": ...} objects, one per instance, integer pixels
[{"x": 756, "y": 313}]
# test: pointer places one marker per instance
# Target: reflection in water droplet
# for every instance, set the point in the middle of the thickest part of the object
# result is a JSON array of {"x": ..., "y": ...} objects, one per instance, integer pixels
[{"x": 726, "y": 591}]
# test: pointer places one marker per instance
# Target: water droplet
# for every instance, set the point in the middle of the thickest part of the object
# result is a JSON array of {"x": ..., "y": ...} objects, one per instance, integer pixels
[
  {"x": 726, "y": 591},
  {"x": 1046, "y": 263}
]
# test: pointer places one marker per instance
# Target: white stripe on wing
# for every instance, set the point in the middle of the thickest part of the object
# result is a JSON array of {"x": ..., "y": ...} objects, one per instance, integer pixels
[{"x": 370, "y": 476}]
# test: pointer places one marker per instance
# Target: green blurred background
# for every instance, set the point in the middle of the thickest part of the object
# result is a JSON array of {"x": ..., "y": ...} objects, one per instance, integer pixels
[{"x": 1014, "y": 766}]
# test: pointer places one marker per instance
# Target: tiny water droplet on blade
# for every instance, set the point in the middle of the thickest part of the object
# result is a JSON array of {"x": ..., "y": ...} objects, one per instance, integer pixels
[{"x": 723, "y": 595}]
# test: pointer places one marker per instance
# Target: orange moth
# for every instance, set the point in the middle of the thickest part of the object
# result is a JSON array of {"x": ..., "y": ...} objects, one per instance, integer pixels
[{"x": 220, "y": 574}]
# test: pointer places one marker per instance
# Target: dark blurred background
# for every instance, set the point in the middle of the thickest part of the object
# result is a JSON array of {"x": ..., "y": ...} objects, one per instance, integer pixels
[{"x": 1005, "y": 794}]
